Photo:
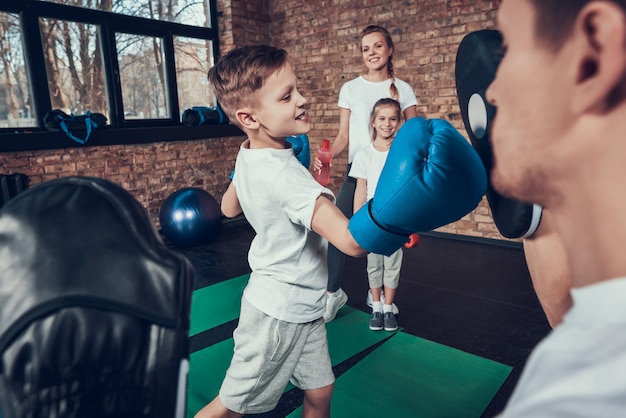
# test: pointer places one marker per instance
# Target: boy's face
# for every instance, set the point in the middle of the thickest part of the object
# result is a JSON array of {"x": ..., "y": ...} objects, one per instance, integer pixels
[
  {"x": 386, "y": 122},
  {"x": 530, "y": 91},
  {"x": 280, "y": 111}
]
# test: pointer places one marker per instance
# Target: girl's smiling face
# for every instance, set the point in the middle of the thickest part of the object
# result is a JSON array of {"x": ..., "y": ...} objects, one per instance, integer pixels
[{"x": 386, "y": 122}]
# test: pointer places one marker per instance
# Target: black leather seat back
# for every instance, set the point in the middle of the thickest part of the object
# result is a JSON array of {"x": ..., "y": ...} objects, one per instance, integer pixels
[{"x": 94, "y": 308}]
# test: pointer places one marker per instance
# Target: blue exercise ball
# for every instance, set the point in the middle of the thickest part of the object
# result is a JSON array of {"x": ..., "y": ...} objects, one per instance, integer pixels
[{"x": 190, "y": 216}]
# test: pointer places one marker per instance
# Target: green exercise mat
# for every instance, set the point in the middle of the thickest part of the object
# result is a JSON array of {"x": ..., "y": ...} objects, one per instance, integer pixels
[
  {"x": 216, "y": 304},
  {"x": 206, "y": 372},
  {"x": 348, "y": 335},
  {"x": 410, "y": 377},
  {"x": 426, "y": 379}
]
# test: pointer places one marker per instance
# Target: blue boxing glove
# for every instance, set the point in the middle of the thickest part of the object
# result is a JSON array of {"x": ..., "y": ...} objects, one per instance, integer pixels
[
  {"x": 301, "y": 148},
  {"x": 432, "y": 177}
]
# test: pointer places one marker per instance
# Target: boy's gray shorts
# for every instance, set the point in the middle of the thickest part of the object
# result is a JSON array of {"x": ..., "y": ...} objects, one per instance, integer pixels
[{"x": 268, "y": 354}]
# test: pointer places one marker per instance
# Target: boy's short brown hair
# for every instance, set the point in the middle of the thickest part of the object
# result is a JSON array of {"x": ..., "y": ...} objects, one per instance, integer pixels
[{"x": 240, "y": 73}]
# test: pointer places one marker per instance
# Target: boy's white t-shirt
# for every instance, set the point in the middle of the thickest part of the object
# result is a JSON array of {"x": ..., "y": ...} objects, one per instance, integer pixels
[
  {"x": 288, "y": 260},
  {"x": 359, "y": 96}
]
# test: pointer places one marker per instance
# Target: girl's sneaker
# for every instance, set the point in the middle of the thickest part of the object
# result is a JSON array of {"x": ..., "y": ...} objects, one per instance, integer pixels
[
  {"x": 390, "y": 321},
  {"x": 368, "y": 301},
  {"x": 376, "y": 321}
]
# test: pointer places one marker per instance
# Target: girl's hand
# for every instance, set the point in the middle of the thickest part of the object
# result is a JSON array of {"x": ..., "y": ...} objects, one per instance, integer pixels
[{"x": 317, "y": 164}]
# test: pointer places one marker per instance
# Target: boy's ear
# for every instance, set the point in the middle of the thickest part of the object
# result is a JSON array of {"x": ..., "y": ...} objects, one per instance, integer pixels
[
  {"x": 246, "y": 118},
  {"x": 600, "y": 36}
]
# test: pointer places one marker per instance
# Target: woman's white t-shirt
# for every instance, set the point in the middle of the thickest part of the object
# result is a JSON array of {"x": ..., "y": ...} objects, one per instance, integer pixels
[{"x": 359, "y": 96}]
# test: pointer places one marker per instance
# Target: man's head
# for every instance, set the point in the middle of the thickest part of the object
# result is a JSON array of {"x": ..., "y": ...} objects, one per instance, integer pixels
[
  {"x": 257, "y": 88},
  {"x": 554, "y": 83}
]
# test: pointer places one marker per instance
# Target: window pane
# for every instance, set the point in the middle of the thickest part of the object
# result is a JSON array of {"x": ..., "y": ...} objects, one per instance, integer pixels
[
  {"x": 194, "y": 57},
  {"x": 188, "y": 12},
  {"x": 74, "y": 66},
  {"x": 140, "y": 59},
  {"x": 15, "y": 100}
]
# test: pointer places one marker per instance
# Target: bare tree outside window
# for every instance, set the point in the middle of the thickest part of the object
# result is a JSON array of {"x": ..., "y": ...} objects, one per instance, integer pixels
[
  {"x": 74, "y": 60},
  {"x": 194, "y": 58},
  {"x": 141, "y": 63},
  {"x": 141, "y": 72},
  {"x": 15, "y": 99},
  {"x": 74, "y": 66},
  {"x": 188, "y": 12}
]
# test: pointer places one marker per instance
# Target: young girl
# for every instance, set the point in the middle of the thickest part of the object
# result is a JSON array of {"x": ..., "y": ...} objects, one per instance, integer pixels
[
  {"x": 356, "y": 99},
  {"x": 366, "y": 168}
]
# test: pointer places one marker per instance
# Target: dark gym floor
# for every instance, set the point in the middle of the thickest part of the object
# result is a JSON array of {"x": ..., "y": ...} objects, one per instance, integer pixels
[{"x": 472, "y": 294}]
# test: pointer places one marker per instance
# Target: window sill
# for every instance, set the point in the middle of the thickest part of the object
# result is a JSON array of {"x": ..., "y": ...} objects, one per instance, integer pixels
[{"x": 24, "y": 140}]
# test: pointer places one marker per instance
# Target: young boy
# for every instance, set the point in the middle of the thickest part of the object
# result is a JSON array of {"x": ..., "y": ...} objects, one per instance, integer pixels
[{"x": 281, "y": 335}]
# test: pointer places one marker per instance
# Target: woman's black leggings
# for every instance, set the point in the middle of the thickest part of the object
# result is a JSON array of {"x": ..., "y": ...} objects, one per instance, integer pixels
[{"x": 337, "y": 259}]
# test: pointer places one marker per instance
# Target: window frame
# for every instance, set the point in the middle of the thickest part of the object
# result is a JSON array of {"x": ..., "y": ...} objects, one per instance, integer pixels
[{"x": 118, "y": 130}]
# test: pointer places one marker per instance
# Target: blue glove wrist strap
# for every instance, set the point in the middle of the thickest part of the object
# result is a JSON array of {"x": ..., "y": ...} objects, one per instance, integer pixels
[{"x": 371, "y": 236}]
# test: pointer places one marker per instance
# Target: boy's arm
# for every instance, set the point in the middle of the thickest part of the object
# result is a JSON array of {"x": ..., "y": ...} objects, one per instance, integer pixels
[
  {"x": 360, "y": 193},
  {"x": 330, "y": 223},
  {"x": 230, "y": 202}
]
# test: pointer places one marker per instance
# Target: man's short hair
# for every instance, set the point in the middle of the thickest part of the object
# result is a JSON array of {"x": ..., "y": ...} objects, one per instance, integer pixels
[{"x": 555, "y": 19}]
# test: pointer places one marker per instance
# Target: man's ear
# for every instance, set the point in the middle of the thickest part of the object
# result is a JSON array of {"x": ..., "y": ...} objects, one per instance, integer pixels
[
  {"x": 245, "y": 116},
  {"x": 600, "y": 44}
]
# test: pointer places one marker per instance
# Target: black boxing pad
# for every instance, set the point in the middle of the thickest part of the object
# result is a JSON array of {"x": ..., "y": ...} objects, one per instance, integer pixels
[
  {"x": 94, "y": 308},
  {"x": 477, "y": 60}
]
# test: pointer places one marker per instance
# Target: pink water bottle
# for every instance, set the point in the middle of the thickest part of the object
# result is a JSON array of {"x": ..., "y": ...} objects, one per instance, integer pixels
[{"x": 324, "y": 154}]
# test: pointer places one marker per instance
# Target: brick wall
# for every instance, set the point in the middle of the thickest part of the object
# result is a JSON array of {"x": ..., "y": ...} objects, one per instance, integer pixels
[
  {"x": 150, "y": 172},
  {"x": 243, "y": 22},
  {"x": 322, "y": 40}
]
